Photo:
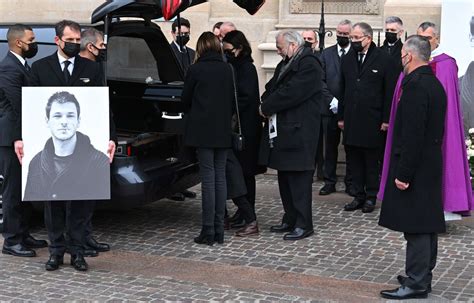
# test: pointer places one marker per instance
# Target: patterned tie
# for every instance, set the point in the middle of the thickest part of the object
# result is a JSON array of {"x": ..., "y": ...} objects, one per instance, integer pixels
[
  {"x": 27, "y": 67},
  {"x": 66, "y": 73}
]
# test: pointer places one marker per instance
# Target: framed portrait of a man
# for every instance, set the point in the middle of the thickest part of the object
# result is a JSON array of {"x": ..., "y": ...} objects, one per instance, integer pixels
[{"x": 65, "y": 132}]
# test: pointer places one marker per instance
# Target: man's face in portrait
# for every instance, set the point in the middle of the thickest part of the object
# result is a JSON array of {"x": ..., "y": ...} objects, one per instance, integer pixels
[{"x": 63, "y": 120}]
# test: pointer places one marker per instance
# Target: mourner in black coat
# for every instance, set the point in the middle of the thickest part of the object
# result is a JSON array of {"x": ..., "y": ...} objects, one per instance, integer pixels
[
  {"x": 293, "y": 95},
  {"x": 364, "y": 113},
  {"x": 412, "y": 199},
  {"x": 14, "y": 73},
  {"x": 393, "y": 44},
  {"x": 208, "y": 94}
]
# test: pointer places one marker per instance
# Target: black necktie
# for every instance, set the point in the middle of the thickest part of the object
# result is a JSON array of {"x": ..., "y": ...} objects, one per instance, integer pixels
[
  {"x": 361, "y": 59},
  {"x": 389, "y": 49},
  {"x": 343, "y": 52},
  {"x": 66, "y": 73},
  {"x": 27, "y": 67}
]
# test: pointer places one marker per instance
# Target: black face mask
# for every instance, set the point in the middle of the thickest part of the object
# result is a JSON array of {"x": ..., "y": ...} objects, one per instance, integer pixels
[
  {"x": 32, "y": 50},
  {"x": 391, "y": 37},
  {"x": 229, "y": 56},
  {"x": 102, "y": 55},
  {"x": 182, "y": 40},
  {"x": 357, "y": 46},
  {"x": 308, "y": 44},
  {"x": 342, "y": 41},
  {"x": 71, "y": 49}
]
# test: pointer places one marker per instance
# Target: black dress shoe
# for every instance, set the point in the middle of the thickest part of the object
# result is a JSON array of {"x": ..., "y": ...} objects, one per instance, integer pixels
[
  {"x": 355, "y": 204},
  {"x": 282, "y": 228},
  {"x": 208, "y": 239},
  {"x": 236, "y": 217},
  {"x": 368, "y": 206},
  {"x": 404, "y": 292},
  {"x": 327, "y": 189},
  {"x": 177, "y": 197},
  {"x": 31, "y": 242},
  {"x": 78, "y": 262},
  {"x": 189, "y": 194},
  {"x": 238, "y": 224},
  {"x": 401, "y": 279},
  {"x": 90, "y": 252},
  {"x": 100, "y": 247},
  {"x": 54, "y": 262},
  {"x": 298, "y": 234},
  {"x": 18, "y": 250}
]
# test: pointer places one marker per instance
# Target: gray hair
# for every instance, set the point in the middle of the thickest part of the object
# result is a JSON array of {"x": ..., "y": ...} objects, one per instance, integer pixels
[
  {"x": 418, "y": 46},
  {"x": 427, "y": 24},
  {"x": 90, "y": 35},
  {"x": 346, "y": 22},
  {"x": 291, "y": 36},
  {"x": 366, "y": 28},
  {"x": 394, "y": 19}
]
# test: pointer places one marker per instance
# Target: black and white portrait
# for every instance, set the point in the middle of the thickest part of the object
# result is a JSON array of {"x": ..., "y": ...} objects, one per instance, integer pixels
[{"x": 65, "y": 132}]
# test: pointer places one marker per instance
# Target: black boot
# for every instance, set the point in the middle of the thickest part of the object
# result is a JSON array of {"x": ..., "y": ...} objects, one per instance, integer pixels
[{"x": 207, "y": 236}]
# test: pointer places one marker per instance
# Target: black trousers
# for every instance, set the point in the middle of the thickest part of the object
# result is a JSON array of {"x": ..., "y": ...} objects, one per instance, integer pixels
[
  {"x": 69, "y": 217},
  {"x": 88, "y": 211},
  {"x": 16, "y": 214},
  {"x": 332, "y": 137},
  {"x": 422, "y": 251},
  {"x": 364, "y": 166},
  {"x": 296, "y": 196}
]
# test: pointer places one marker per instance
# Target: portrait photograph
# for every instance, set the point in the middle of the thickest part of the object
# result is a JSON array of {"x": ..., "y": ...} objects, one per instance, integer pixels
[{"x": 65, "y": 133}]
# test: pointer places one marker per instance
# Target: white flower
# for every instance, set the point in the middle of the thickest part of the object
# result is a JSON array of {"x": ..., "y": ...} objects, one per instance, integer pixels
[
  {"x": 468, "y": 142},
  {"x": 471, "y": 131},
  {"x": 470, "y": 153}
]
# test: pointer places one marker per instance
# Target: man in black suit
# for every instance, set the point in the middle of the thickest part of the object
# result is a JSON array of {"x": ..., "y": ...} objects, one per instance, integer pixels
[
  {"x": 291, "y": 100},
  {"x": 412, "y": 201},
  {"x": 331, "y": 60},
  {"x": 184, "y": 54},
  {"x": 393, "y": 40},
  {"x": 369, "y": 77},
  {"x": 66, "y": 68},
  {"x": 14, "y": 73}
]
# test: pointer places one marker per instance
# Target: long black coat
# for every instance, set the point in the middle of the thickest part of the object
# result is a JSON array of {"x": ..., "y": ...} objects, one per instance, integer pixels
[
  {"x": 208, "y": 94},
  {"x": 13, "y": 75},
  {"x": 248, "y": 97},
  {"x": 367, "y": 97},
  {"x": 395, "y": 52},
  {"x": 294, "y": 96},
  {"x": 416, "y": 157}
]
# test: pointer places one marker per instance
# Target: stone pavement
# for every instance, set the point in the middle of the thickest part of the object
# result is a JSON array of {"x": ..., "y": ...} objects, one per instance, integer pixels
[{"x": 153, "y": 258}]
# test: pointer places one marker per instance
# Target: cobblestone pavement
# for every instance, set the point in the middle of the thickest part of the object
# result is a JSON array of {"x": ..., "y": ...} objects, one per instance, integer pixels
[{"x": 348, "y": 259}]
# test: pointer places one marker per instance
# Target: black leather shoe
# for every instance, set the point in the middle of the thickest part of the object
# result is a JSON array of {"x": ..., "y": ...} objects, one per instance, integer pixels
[
  {"x": 404, "y": 292},
  {"x": 298, "y": 234},
  {"x": 237, "y": 217},
  {"x": 368, "y": 206},
  {"x": 327, "y": 189},
  {"x": 177, "y": 197},
  {"x": 282, "y": 228},
  {"x": 78, "y": 262},
  {"x": 355, "y": 204},
  {"x": 206, "y": 239},
  {"x": 89, "y": 252},
  {"x": 18, "y": 250},
  {"x": 189, "y": 194},
  {"x": 401, "y": 279},
  {"x": 238, "y": 224},
  {"x": 54, "y": 262},
  {"x": 31, "y": 242},
  {"x": 100, "y": 247}
]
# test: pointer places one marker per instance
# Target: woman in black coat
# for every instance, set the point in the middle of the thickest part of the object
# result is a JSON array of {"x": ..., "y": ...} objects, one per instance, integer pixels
[
  {"x": 241, "y": 173},
  {"x": 208, "y": 94}
]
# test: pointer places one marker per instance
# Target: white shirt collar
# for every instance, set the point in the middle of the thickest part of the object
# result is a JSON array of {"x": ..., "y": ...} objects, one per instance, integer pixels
[
  {"x": 22, "y": 60},
  {"x": 437, "y": 51},
  {"x": 177, "y": 45},
  {"x": 346, "y": 49},
  {"x": 62, "y": 59}
]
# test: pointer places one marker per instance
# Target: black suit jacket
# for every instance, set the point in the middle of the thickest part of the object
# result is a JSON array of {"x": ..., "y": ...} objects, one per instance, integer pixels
[
  {"x": 13, "y": 75},
  {"x": 395, "y": 52},
  {"x": 186, "y": 58},
  {"x": 48, "y": 72},
  {"x": 367, "y": 97},
  {"x": 331, "y": 63}
]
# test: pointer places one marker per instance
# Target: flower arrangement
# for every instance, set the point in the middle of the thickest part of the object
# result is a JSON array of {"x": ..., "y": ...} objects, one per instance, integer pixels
[{"x": 470, "y": 154}]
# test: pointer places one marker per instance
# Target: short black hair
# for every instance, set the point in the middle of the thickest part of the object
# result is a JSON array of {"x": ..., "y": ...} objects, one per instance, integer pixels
[
  {"x": 217, "y": 25},
  {"x": 62, "y": 97},
  {"x": 61, "y": 25},
  {"x": 238, "y": 40},
  {"x": 17, "y": 31},
  {"x": 184, "y": 22}
]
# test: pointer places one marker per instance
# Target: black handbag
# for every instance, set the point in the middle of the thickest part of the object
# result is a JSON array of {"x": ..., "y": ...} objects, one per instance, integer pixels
[{"x": 238, "y": 142}]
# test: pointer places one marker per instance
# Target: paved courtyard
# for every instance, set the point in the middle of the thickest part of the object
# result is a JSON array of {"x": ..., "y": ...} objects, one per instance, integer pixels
[{"x": 153, "y": 258}]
